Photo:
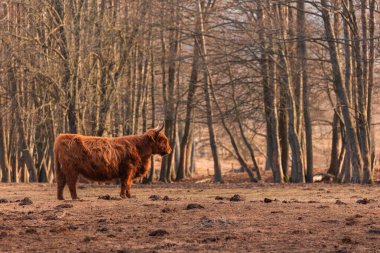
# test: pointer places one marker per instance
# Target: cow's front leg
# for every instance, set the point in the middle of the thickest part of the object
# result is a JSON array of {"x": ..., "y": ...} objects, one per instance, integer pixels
[
  {"x": 123, "y": 188},
  {"x": 128, "y": 190},
  {"x": 126, "y": 183}
]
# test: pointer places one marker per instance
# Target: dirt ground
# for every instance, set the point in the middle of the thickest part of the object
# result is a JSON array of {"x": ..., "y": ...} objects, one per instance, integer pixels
[{"x": 266, "y": 218}]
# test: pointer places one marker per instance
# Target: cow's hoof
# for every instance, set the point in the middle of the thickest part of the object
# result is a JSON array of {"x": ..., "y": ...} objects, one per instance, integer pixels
[
  {"x": 128, "y": 195},
  {"x": 123, "y": 196},
  {"x": 60, "y": 198}
]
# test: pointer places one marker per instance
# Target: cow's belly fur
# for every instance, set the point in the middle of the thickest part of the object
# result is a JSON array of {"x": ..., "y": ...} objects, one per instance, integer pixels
[{"x": 90, "y": 171}]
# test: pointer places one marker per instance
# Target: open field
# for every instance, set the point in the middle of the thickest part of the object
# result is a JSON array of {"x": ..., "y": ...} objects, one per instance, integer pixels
[{"x": 300, "y": 218}]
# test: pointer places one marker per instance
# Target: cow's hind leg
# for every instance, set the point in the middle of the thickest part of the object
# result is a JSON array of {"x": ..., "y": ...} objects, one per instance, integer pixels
[
  {"x": 61, "y": 182},
  {"x": 72, "y": 184}
]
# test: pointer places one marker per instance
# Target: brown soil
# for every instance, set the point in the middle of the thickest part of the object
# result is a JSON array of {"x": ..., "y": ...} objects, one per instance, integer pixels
[{"x": 293, "y": 218}]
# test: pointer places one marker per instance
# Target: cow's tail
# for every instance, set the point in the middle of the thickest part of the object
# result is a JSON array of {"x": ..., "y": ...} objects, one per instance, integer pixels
[{"x": 57, "y": 165}]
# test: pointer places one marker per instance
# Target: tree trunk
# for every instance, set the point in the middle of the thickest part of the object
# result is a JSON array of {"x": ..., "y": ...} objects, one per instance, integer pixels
[
  {"x": 26, "y": 156},
  {"x": 240, "y": 158},
  {"x": 334, "y": 157},
  {"x": 269, "y": 90},
  {"x": 283, "y": 121},
  {"x": 153, "y": 103},
  {"x": 371, "y": 62},
  {"x": 213, "y": 145},
  {"x": 297, "y": 173},
  {"x": 189, "y": 103},
  {"x": 352, "y": 141},
  {"x": 192, "y": 166},
  {"x": 361, "y": 77},
  {"x": 292, "y": 86},
  {"x": 59, "y": 17},
  {"x": 4, "y": 162},
  {"x": 168, "y": 92},
  {"x": 302, "y": 53}
]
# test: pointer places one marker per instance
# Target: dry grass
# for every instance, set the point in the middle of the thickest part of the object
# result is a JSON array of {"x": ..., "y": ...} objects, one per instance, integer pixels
[{"x": 300, "y": 218}]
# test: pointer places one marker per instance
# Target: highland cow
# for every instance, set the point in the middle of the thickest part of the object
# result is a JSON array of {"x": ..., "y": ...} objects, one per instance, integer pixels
[{"x": 104, "y": 159}]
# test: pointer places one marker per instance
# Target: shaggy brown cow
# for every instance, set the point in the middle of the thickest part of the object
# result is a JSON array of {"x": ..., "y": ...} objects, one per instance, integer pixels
[{"x": 103, "y": 159}]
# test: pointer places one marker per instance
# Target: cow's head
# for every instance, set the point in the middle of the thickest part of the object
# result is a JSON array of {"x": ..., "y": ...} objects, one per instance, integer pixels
[{"x": 161, "y": 144}]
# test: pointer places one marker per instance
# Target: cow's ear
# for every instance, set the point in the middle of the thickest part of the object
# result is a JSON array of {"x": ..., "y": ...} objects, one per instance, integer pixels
[{"x": 153, "y": 135}]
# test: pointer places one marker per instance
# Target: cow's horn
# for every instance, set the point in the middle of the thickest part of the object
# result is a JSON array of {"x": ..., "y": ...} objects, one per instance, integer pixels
[
  {"x": 160, "y": 126},
  {"x": 156, "y": 128}
]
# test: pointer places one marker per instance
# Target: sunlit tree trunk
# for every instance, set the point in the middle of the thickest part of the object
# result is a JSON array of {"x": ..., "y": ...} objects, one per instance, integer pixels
[
  {"x": 334, "y": 157},
  {"x": 4, "y": 162},
  {"x": 190, "y": 102},
  {"x": 269, "y": 91},
  {"x": 206, "y": 80},
  {"x": 371, "y": 61},
  {"x": 352, "y": 140},
  {"x": 302, "y": 54},
  {"x": 288, "y": 81}
]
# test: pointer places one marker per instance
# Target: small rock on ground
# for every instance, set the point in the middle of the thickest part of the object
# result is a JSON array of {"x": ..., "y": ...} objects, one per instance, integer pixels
[
  {"x": 166, "y": 198},
  {"x": 87, "y": 239},
  {"x": 365, "y": 201},
  {"x": 25, "y": 201},
  {"x": 31, "y": 231},
  {"x": 339, "y": 202},
  {"x": 155, "y": 197},
  {"x": 64, "y": 206},
  {"x": 194, "y": 206},
  {"x": 374, "y": 231},
  {"x": 347, "y": 240},
  {"x": 211, "y": 239},
  {"x": 266, "y": 200},
  {"x": 108, "y": 197},
  {"x": 158, "y": 232},
  {"x": 102, "y": 229},
  {"x": 167, "y": 210},
  {"x": 236, "y": 197}
]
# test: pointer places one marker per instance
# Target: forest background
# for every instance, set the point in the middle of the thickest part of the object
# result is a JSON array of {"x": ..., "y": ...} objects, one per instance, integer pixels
[{"x": 289, "y": 87}]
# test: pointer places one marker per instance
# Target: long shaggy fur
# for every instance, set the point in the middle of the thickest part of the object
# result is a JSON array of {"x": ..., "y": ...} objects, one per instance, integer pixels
[{"x": 103, "y": 159}]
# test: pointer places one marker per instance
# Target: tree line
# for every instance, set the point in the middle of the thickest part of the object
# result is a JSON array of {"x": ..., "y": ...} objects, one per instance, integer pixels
[{"x": 236, "y": 70}]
